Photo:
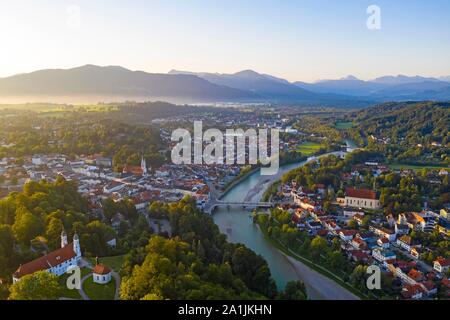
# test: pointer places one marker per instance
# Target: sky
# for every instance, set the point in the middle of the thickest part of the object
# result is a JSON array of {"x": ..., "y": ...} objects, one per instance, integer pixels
[{"x": 299, "y": 40}]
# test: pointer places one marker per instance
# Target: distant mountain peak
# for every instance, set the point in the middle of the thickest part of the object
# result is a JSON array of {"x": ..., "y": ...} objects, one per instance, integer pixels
[
  {"x": 248, "y": 73},
  {"x": 402, "y": 79},
  {"x": 350, "y": 78}
]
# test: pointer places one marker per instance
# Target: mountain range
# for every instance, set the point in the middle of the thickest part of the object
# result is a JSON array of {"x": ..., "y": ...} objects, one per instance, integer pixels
[{"x": 113, "y": 82}]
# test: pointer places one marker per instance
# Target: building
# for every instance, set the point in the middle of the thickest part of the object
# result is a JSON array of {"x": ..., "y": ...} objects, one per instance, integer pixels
[
  {"x": 347, "y": 235},
  {"x": 442, "y": 265},
  {"x": 383, "y": 255},
  {"x": 137, "y": 170},
  {"x": 383, "y": 243},
  {"x": 445, "y": 214},
  {"x": 383, "y": 232},
  {"x": 361, "y": 198},
  {"x": 56, "y": 262},
  {"x": 101, "y": 274},
  {"x": 405, "y": 242},
  {"x": 416, "y": 252}
]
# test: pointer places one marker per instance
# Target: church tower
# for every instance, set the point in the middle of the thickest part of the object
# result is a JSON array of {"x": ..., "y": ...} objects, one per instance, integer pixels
[
  {"x": 76, "y": 245},
  {"x": 63, "y": 238},
  {"x": 144, "y": 167}
]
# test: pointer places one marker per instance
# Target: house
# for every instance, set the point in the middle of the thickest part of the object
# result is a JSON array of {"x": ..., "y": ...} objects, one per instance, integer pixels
[
  {"x": 383, "y": 243},
  {"x": 347, "y": 235},
  {"x": 415, "y": 275},
  {"x": 366, "y": 236},
  {"x": 429, "y": 287},
  {"x": 359, "y": 256},
  {"x": 442, "y": 265},
  {"x": 412, "y": 291},
  {"x": 416, "y": 252},
  {"x": 359, "y": 244},
  {"x": 390, "y": 220},
  {"x": 101, "y": 274},
  {"x": 351, "y": 213},
  {"x": 314, "y": 225},
  {"x": 361, "y": 198},
  {"x": 383, "y": 232},
  {"x": 383, "y": 255},
  {"x": 401, "y": 229},
  {"x": 56, "y": 262},
  {"x": 405, "y": 242}
]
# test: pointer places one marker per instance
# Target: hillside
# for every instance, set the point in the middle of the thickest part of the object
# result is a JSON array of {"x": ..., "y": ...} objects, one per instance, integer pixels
[
  {"x": 406, "y": 131},
  {"x": 116, "y": 82}
]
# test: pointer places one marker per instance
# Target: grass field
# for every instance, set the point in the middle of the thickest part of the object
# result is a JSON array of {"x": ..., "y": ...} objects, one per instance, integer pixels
[
  {"x": 397, "y": 166},
  {"x": 97, "y": 291},
  {"x": 343, "y": 125},
  {"x": 114, "y": 263},
  {"x": 309, "y": 148}
]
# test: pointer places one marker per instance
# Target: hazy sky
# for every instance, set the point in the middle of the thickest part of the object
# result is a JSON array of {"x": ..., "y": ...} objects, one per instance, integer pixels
[{"x": 295, "y": 39}]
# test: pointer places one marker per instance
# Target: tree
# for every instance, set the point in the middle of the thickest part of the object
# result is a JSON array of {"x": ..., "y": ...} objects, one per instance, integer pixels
[
  {"x": 53, "y": 233},
  {"x": 318, "y": 247},
  {"x": 352, "y": 224},
  {"x": 27, "y": 226},
  {"x": 359, "y": 276},
  {"x": 253, "y": 270},
  {"x": 6, "y": 249},
  {"x": 294, "y": 290},
  {"x": 40, "y": 285}
]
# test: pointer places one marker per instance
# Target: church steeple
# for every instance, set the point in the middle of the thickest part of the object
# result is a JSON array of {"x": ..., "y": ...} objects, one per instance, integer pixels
[
  {"x": 76, "y": 245},
  {"x": 144, "y": 166},
  {"x": 63, "y": 238}
]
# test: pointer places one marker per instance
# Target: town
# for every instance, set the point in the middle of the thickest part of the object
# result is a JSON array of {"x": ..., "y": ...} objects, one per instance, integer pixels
[
  {"x": 341, "y": 194},
  {"x": 366, "y": 236}
]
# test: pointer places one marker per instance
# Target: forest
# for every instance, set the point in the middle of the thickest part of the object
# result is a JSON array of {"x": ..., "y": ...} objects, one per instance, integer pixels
[
  {"x": 409, "y": 132},
  {"x": 197, "y": 263}
]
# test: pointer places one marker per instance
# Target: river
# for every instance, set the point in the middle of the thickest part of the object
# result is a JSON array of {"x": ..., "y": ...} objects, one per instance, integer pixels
[{"x": 237, "y": 224}]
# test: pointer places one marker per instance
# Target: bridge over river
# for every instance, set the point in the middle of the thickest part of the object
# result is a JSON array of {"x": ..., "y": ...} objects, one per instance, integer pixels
[{"x": 243, "y": 204}]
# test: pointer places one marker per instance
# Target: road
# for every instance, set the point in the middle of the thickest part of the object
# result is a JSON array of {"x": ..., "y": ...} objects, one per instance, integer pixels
[{"x": 420, "y": 263}]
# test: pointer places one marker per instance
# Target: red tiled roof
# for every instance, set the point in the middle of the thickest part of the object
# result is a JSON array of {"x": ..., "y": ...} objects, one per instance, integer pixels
[
  {"x": 405, "y": 239},
  {"x": 361, "y": 193},
  {"x": 45, "y": 262},
  {"x": 384, "y": 240},
  {"x": 429, "y": 285},
  {"x": 444, "y": 262},
  {"x": 348, "y": 232},
  {"x": 359, "y": 255},
  {"x": 446, "y": 282},
  {"x": 322, "y": 232},
  {"x": 133, "y": 169},
  {"x": 414, "y": 274},
  {"x": 101, "y": 269}
]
